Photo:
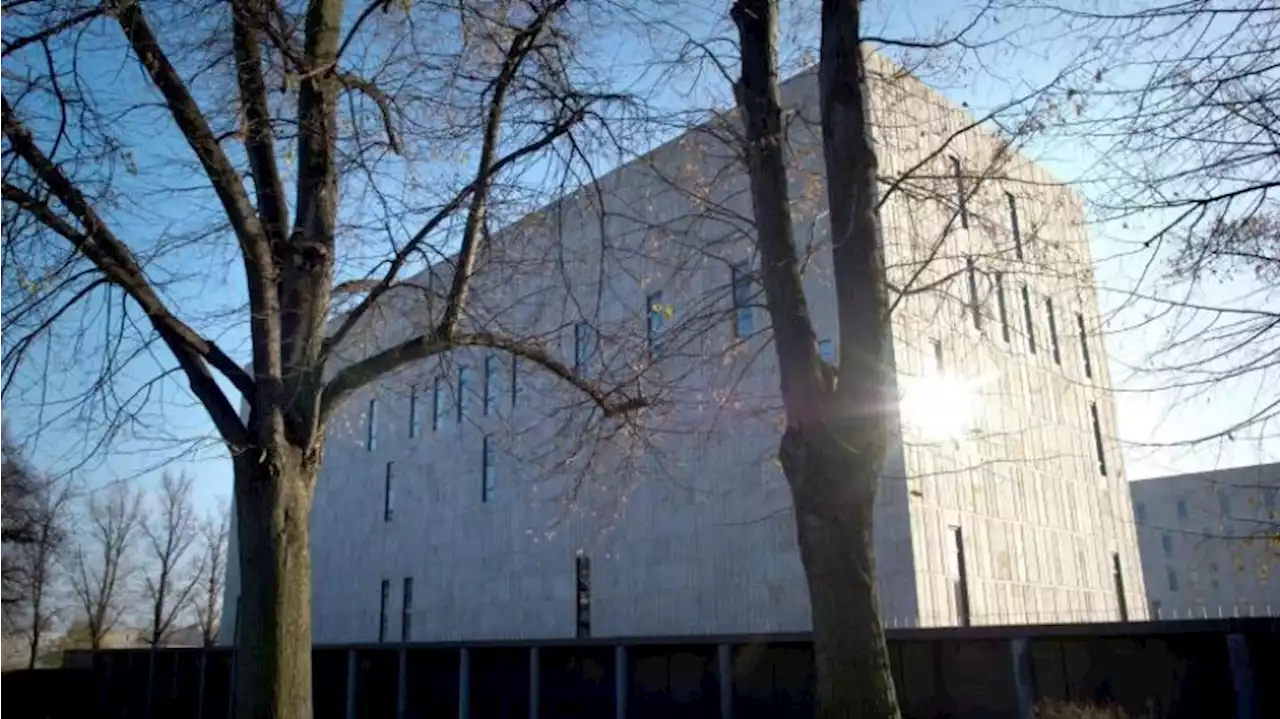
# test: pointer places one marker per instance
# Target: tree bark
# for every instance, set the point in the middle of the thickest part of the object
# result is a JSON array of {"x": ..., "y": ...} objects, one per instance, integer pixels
[
  {"x": 273, "y": 650},
  {"x": 833, "y": 485},
  {"x": 837, "y": 421}
]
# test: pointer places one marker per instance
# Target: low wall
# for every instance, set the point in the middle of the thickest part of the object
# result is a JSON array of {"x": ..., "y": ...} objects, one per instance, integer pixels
[{"x": 1205, "y": 668}]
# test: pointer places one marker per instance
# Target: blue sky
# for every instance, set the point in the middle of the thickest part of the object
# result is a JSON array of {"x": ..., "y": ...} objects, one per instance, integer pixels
[{"x": 207, "y": 282}]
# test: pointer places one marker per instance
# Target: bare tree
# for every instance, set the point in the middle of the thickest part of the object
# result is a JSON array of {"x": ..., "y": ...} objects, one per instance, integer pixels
[
  {"x": 101, "y": 565},
  {"x": 842, "y": 414},
  {"x": 329, "y": 163},
  {"x": 41, "y": 563},
  {"x": 22, "y": 490},
  {"x": 1182, "y": 116},
  {"x": 170, "y": 576},
  {"x": 214, "y": 530}
]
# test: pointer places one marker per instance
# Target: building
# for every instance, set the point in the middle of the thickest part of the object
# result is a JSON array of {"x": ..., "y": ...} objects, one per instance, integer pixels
[
  {"x": 1210, "y": 542},
  {"x": 460, "y": 500}
]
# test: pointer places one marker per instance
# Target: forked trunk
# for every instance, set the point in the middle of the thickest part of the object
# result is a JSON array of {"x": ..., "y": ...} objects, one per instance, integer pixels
[
  {"x": 273, "y": 645},
  {"x": 833, "y": 485}
]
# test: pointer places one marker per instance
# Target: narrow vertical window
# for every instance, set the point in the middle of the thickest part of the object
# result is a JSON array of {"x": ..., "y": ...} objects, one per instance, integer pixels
[
  {"x": 581, "y": 346},
  {"x": 406, "y": 611},
  {"x": 1053, "y": 330},
  {"x": 437, "y": 402},
  {"x": 517, "y": 387},
  {"x": 371, "y": 439},
  {"x": 656, "y": 324},
  {"x": 1097, "y": 439},
  {"x": 1140, "y": 510},
  {"x": 488, "y": 472},
  {"x": 383, "y": 603},
  {"x": 582, "y": 594},
  {"x": 1029, "y": 319},
  {"x": 415, "y": 422},
  {"x": 827, "y": 351},
  {"x": 1117, "y": 577},
  {"x": 464, "y": 388},
  {"x": 938, "y": 365},
  {"x": 388, "y": 496},
  {"x": 1183, "y": 514},
  {"x": 975, "y": 304},
  {"x": 1084, "y": 345},
  {"x": 1172, "y": 577},
  {"x": 1013, "y": 224},
  {"x": 1002, "y": 307},
  {"x": 1166, "y": 544},
  {"x": 959, "y": 576},
  {"x": 743, "y": 318},
  {"x": 957, "y": 172},
  {"x": 490, "y": 382}
]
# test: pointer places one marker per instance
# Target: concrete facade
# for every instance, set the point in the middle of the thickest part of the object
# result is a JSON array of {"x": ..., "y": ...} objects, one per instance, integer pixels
[
  {"x": 1209, "y": 542},
  {"x": 1006, "y": 448}
]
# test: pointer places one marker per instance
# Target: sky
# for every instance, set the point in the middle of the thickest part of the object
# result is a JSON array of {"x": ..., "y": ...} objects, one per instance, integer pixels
[{"x": 208, "y": 282}]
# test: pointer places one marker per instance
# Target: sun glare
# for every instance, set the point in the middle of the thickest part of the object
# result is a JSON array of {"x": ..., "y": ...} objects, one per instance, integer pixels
[{"x": 938, "y": 408}]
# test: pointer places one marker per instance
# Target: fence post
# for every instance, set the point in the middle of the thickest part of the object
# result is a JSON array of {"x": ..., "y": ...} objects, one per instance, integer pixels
[
  {"x": 204, "y": 665},
  {"x": 402, "y": 683},
  {"x": 1023, "y": 682},
  {"x": 151, "y": 681},
  {"x": 464, "y": 683},
  {"x": 535, "y": 682},
  {"x": 724, "y": 672},
  {"x": 1242, "y": 676},
  {"x": 620, "y": 682},
  {"x": 351, "y": 684}
]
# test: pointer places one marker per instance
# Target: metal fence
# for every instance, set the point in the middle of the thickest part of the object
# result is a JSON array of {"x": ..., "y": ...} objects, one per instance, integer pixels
[{"x": 1199, "y": 668}]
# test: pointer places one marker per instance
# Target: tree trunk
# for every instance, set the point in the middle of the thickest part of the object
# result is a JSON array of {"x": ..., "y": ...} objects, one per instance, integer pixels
[
  {"x": 273, "y": 648},
  {"x": 833, "y": 485}
]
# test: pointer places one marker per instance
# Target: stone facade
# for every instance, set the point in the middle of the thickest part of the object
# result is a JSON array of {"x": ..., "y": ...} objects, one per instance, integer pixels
[
  {"x": 1208, "y": 542},
  {"x": 996, "y": 490}
]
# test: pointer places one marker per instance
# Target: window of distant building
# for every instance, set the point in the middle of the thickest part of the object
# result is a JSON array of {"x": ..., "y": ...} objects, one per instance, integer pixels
[
  {"x": 1028, "y": 318},
  {"x": 371, "y": 431},
  {"x": 581, "y": 346},
  {"x": 490, "y": 382},
  {"x": 406, "y": 611},
  {"x": 582, "y": 595},
  {"x": 1140, "y": 510},
  {"x": 414, "y": 421},
  {"x": 1172, "y": 577},
  {"x": 488, "y": 471},
  {"x": 1012, "y": 202},
  {"x": 384, "y": 600},
  {"x": 464, "y": 388},
  {"x": 962, "y": 201},
  {"x": 1166, "y": 544},
  {"x": 743, "y": 317},
  {"x": 975, "y": 302},
  {"x": 388, "y": 508},
  {"x": 437, "y": 402},
  {"x": 1084, "y": 346},
  {"x": 517, "y": 383},
  {"x": 1098, "y": 445},
  {"x": 657, "y": 322},
  {"x": 1183, "y": 514},
  {"x": 1053, "y": 331},
  {"x": 1002, "y": 307}
]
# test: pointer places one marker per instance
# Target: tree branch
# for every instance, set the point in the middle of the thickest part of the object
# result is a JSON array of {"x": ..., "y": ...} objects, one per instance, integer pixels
[
  {"x": 355, "y": 376},
  {"x": 101, "y": 247}
]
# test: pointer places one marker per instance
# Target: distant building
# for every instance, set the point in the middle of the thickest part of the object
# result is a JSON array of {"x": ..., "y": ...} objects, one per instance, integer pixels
[
  {"x": 449, "y": 505},
  {"x": 1210, "y": 541}
]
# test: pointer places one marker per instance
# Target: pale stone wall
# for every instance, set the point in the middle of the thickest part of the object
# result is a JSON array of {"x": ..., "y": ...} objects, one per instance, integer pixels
[
  {"x": 1204, "y": 540},
  {"x": 687, "y": 519}
]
